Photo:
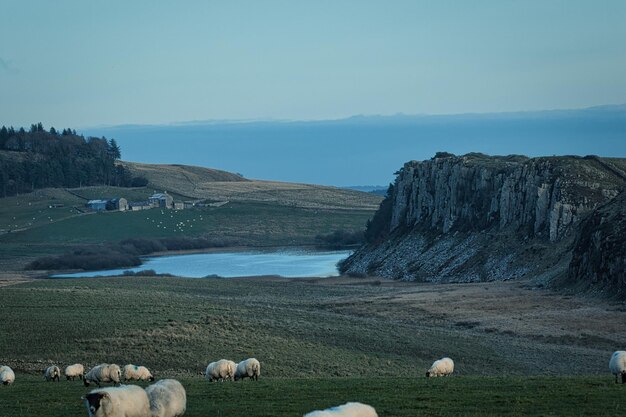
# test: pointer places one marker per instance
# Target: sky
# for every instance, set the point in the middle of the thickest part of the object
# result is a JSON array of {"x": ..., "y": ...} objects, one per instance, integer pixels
[{"x": 83, "y": 63}]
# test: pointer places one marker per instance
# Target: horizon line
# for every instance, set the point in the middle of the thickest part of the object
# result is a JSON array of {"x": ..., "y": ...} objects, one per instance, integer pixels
[{"x": 345, "y": 118}]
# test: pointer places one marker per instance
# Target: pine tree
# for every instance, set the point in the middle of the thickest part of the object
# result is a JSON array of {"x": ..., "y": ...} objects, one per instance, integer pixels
[{"x": 114, "y": 149}]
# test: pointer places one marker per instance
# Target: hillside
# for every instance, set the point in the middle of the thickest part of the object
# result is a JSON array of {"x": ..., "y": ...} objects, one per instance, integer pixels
[
  {"x": 54, "y": 221},
  {"x": 481, "y": 218},
  {"x": 191, "y": 182}
]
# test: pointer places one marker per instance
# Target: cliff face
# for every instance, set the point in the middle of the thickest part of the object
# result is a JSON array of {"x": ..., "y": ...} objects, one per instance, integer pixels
[
  {"x": 475, "y": 217},
  {"x": 599, "y": 257}
]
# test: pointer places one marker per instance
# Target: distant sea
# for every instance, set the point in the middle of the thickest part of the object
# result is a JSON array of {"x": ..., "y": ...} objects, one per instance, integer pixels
[{"x": 368, "y": 149}]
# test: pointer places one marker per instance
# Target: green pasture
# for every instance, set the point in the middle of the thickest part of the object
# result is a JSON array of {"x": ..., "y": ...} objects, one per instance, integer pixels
[
  {"x": 240, "y": 223},
  {"x": 392, "y": 397},
  {"x": 317, "y": 345}
]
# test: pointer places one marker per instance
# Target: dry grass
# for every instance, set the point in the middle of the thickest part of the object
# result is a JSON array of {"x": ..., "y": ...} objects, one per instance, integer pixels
[{"x": 205, "y": 183}]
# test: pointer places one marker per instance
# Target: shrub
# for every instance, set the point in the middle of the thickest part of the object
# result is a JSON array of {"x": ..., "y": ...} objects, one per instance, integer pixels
[
  {"x": 123, "y": 254},
  {"x": 139, "y": 182},
  {"x": 341, "y": 238},
  {"x": 91, "y": 258}
]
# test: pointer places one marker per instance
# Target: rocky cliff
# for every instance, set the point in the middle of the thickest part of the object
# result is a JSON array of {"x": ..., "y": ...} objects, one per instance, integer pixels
[
  {"x": 599, "y": 257},
  {"x": 476, "y": 217}
]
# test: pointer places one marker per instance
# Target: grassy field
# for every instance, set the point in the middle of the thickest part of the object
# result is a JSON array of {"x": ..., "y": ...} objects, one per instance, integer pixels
[
  {"x": 321, "y": 342},
  {"x": 407, "y": 397},
  {"x": 257, "y": 223},
  {"x": 258, "y": 213},
  {"x": 238, "y": 223}
]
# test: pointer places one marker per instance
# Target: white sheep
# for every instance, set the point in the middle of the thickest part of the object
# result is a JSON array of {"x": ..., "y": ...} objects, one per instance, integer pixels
[
  {"x": 345, "y": 410},
  {"x": 249, "y": 368},
  {"x": 617, "y": 365},
  {"x": 103, "y": 373},
  {"x": 122, "y": 401},
  {"x": 73, "y": 371},
  {"x": 220, "y": 370},
  {"x": 167, "y": 398},
  {"x": 52, "y": 373},
  {"x": 7, "y": 376},
  {"x": 441, "y": 367},
  {"x": 137, "y": 373}
]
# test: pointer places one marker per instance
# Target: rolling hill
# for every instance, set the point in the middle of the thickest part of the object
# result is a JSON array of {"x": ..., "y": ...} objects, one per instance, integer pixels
[
  {"x": 192, "y": 182},
  {"x": 52, "y": 221}
]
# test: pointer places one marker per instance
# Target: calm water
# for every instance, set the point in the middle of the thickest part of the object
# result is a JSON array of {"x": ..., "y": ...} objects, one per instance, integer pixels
[{"x": 236, "y": 264}]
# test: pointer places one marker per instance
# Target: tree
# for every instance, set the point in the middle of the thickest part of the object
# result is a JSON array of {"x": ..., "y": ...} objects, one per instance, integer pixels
[{"x": 114, "y": 149}]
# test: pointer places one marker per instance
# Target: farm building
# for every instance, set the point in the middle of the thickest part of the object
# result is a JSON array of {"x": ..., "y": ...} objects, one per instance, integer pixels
[
  {"x": 97, "y": 205},
  {"x": 139, "y": 205},
  {"x": 111, "y": 204},
  {"x": 120, "y": 204},
  {"x": 162, "y": 200}
]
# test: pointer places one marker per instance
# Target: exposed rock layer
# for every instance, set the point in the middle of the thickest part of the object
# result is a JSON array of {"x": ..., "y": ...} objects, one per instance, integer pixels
[
  {"x": 599, "y": 257},
  {"x": 476, "y": 217}
]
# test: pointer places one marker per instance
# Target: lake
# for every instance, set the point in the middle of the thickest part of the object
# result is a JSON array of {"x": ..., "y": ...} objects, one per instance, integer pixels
[{"x": 286, "y": 263}]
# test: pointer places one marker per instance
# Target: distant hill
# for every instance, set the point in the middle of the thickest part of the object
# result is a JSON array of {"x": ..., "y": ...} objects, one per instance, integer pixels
[
  {"x": 194, "y": 182},
  {"x": 177, "y": 174},
  {"x": 376, "y": 189}
]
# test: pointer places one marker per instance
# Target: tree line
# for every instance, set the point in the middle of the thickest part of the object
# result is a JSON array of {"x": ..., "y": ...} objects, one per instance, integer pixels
[{"x": 40, "y": 158}]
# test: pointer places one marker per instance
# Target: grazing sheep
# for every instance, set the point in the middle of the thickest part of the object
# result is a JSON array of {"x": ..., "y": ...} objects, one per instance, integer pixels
[
  {"x": 52, "y": 373},
  {"x": 617, "y": 365},
  {"x": 441, "y": 367},
  {"x": 167, "y": 398},
  {"x": 7, "y": 376},
  {"x": 250, "y": 368},
  {"x": 73, "y": 371},
  {"x": 137, "y": 373},
  {"x": 103, "y": 373},
  {"x": 345, "y": 410},
  {"x": 122, "y": 401},
  {"x": 221, "y": 370}
]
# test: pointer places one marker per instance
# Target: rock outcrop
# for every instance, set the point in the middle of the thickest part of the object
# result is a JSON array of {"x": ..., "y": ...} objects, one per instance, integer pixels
[
  {"x": 599, "y": 258},
  {"x": 477, "y": 218}
]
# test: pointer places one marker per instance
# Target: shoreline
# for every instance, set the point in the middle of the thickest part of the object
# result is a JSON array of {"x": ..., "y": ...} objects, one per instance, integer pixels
[
  {"x": 11, "y": 276},
  {"x": 269, "y": 249}
]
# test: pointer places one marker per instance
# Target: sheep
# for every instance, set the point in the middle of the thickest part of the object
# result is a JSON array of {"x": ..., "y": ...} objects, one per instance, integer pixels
[
  {"x": 103, "y": 373},
  {"x": 73, "y": 371},
  {"x": 167, "y": 398},
  {"x": 52, "y": 373},
  {"x": 250, "y": 368},
  {"x": 617, "y": 365},
  {"x": 221, "y": 370},
  {"x": 345, "y": 410},
  {"x": 137, "y": 373},
  {"x": 7, "y": 376},
  {"x": 122, "y": 401},
  {"x": 441, "y": 367}
]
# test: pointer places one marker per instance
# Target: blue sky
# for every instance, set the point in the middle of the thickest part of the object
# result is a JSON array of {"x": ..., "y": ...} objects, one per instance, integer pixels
[{"x": 87, "y": 63}]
